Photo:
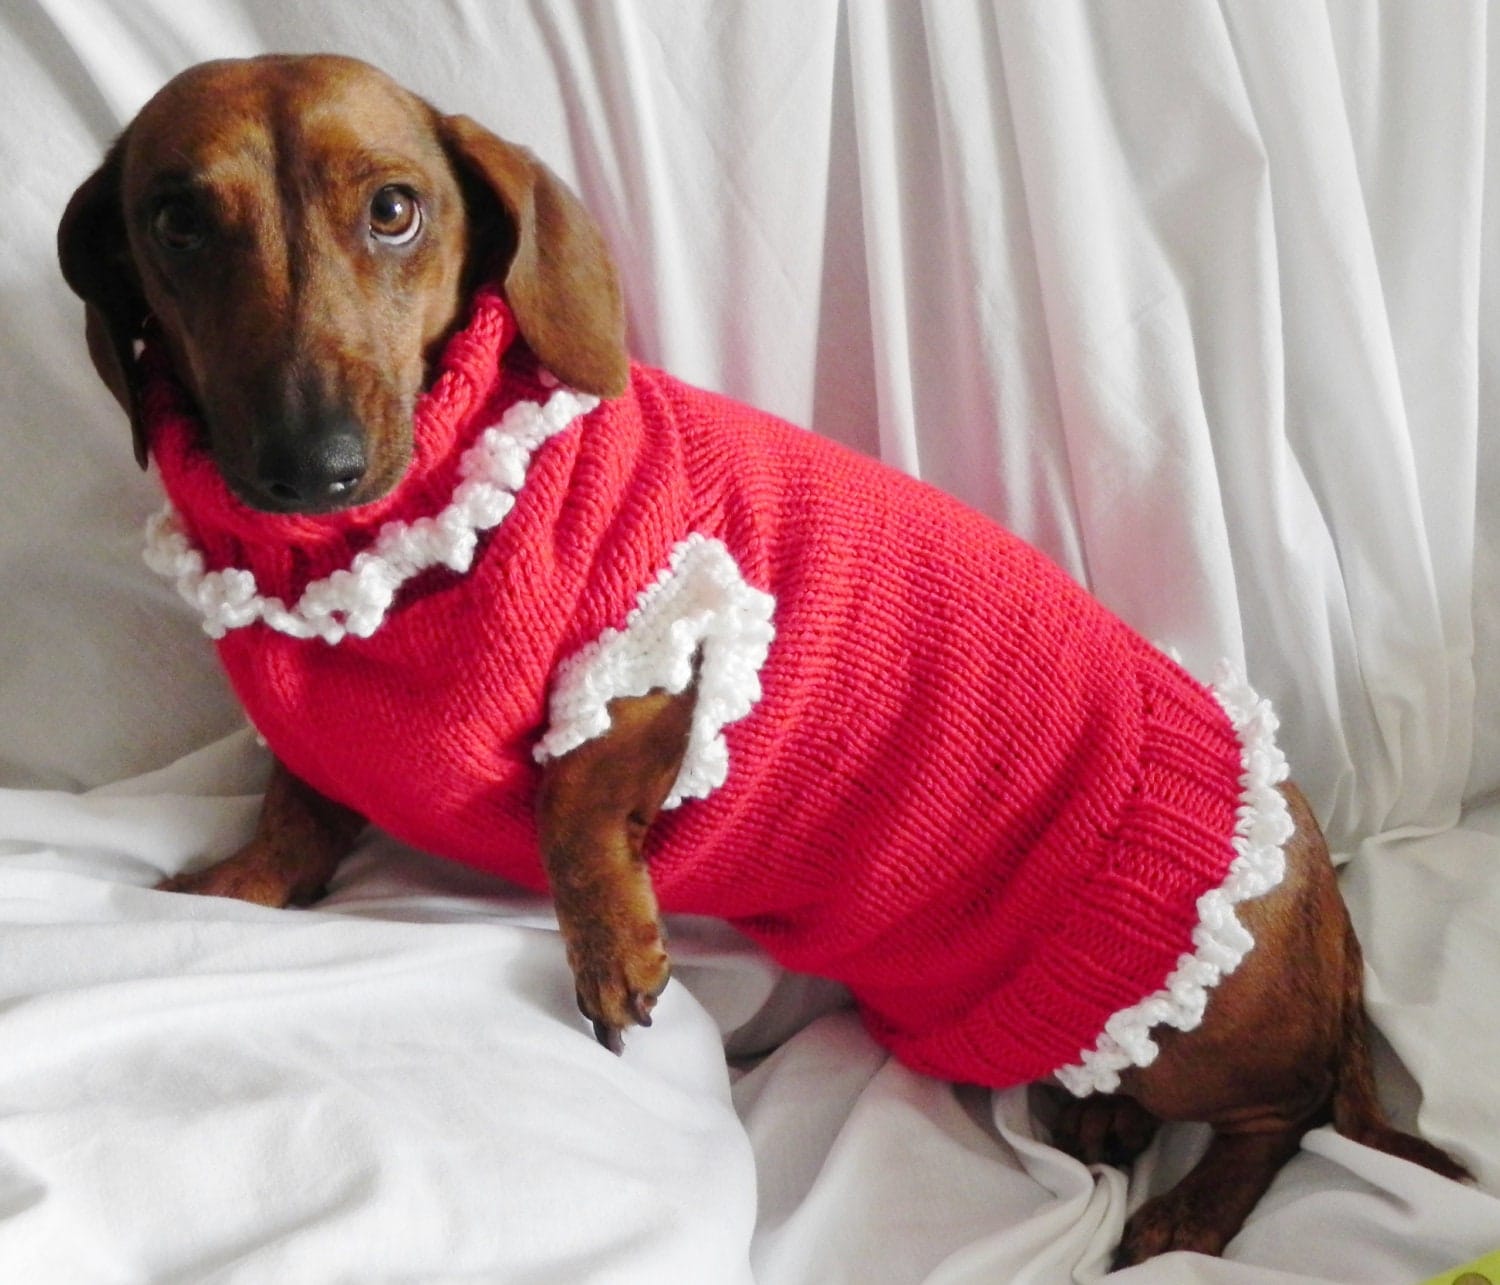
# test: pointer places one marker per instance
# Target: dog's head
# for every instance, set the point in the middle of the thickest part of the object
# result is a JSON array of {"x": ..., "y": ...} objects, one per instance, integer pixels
[{"x": 305, "y": 234}]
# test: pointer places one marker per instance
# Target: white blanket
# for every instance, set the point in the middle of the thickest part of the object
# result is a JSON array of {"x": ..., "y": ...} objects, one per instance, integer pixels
[{"x": 1202, "y": 298}]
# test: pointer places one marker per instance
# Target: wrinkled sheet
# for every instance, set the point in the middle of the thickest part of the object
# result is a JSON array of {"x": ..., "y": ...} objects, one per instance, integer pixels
[{"x": 1201, "y": 298}]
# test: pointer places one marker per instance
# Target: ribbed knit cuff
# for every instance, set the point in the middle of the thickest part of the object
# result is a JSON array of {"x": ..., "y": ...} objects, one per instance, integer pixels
[{"x": 1186, "y": 785}]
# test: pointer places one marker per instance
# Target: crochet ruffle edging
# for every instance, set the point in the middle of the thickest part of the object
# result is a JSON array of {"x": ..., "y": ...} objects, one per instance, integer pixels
[
  {"x": 699, "y": 616},
  {"x": 1262, "y": 827},
  {"x": 355, "y": 600}
]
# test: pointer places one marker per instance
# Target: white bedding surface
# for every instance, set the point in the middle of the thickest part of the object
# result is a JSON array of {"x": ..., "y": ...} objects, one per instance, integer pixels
[{"x": 1204, "y": 299}]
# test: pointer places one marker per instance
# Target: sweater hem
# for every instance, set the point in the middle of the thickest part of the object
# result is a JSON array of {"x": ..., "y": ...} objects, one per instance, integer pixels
[{"x": 1263, "y": 825}]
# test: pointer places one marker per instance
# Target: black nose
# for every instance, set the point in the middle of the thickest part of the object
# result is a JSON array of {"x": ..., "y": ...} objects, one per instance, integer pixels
[{"x": 318, "y": 468}]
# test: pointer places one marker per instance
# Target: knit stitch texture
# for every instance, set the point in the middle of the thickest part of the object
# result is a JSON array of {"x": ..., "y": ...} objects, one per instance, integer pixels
[{"x": 956, "y": 783}]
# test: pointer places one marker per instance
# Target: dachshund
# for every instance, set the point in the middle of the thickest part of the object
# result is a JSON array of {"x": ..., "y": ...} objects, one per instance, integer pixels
[{"x": 296, "y": 242}]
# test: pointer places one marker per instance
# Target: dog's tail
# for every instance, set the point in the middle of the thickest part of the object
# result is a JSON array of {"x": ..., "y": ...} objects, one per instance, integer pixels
[{"x": 1357, "y": 1112}]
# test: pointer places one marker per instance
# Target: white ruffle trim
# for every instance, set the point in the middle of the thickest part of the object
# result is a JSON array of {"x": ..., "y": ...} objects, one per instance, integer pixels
[
  {"x": 1220, "y": 941},
  {"x": 355, "y": 601},
  {"x": 700, "y": 608}
]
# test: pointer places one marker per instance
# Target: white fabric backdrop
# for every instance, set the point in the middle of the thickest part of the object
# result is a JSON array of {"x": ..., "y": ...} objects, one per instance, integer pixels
[{"x": 1196, "y": 296}]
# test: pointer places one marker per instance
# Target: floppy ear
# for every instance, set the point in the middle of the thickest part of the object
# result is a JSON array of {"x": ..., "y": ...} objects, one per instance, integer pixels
[
  {"x": 560, "y": 282},
  {"x": 96, "y": 263}
]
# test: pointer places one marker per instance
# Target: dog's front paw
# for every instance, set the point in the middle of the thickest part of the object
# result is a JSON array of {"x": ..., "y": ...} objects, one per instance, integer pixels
[
  {"x": 253, "y": 875},
  {"x": 619, "y": 969}
]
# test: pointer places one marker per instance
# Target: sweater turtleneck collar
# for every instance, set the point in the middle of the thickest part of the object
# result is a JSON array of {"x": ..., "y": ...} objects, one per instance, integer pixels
[
  {"x": 488, "y": 407},
  {"x": 445, "y": 420}
]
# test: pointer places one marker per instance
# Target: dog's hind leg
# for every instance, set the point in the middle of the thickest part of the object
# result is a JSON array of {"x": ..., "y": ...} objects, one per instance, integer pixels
[{"x": 1280, "y": 1050}]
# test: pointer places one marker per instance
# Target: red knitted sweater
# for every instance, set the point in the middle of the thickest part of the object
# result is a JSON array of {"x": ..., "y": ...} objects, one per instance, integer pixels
[{"x": 952, "y": 781}]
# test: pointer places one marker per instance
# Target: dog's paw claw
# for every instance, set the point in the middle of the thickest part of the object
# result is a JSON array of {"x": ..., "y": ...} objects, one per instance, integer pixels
[
  {"x": 610, "y": 1037},
  {"x": 618, "y": 988}
]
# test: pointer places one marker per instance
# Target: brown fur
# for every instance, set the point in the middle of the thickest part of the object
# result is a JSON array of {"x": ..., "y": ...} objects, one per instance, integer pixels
[
  {"x": 300, "y": 838},
  {"x": 293, "y": 316}
]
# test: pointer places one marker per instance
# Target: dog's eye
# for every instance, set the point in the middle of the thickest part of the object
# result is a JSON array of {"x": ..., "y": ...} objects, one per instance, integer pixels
[
  {"x": 177, "y": 225},
  {"x": 395, "y": 216}
]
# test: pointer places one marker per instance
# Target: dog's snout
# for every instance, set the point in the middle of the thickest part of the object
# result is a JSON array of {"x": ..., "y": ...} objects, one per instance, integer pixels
[{"x": 314, "y": 470}]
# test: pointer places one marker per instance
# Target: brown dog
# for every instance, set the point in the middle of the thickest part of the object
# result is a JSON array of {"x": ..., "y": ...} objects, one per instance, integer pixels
[{"x": 301, "y": 235}]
